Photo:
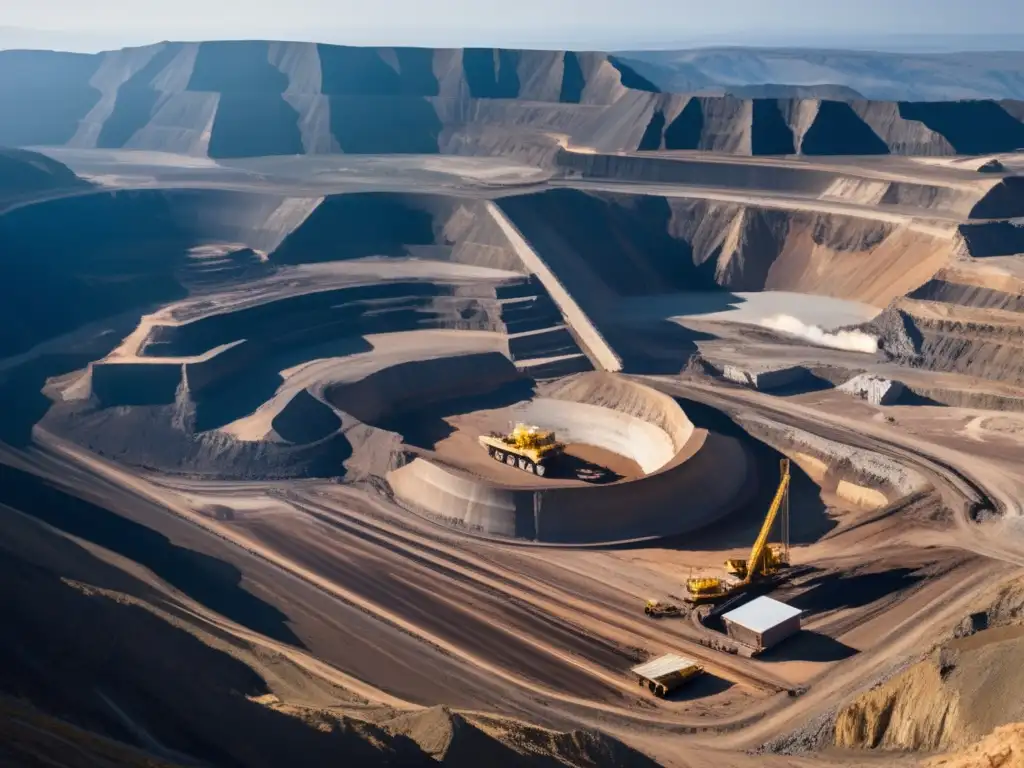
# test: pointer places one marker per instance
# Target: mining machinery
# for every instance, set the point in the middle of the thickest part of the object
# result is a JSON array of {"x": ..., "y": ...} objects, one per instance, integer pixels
[
  {"x": 656, "y": 609},
  {"x": 528, "y": 448},
  {"x": 765, "y": 561}
]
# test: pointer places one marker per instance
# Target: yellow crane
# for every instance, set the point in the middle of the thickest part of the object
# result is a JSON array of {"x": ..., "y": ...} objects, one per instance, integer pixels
[{"x": 765, "y": 559}]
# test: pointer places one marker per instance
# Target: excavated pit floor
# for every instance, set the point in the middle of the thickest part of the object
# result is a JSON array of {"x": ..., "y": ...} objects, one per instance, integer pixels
[{"x": 579, "y": 465}]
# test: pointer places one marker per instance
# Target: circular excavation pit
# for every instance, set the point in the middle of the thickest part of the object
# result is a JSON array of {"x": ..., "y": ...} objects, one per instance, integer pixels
[{"x": 633, "y": 465}]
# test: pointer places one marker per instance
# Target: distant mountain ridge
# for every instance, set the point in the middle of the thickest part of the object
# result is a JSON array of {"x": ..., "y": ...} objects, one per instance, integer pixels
[
  {"x": 876, "y": 75},
  {"x": 258, "y": 98}
]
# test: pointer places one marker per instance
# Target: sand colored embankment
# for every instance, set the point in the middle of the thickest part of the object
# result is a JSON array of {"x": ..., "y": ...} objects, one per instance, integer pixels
[
  {"x": 855, "y": 493},
  {"x": 628, "y": 397},
  {"x": 860, "y": 495},
  {"x": 616, "y": 414},
  {"x": 862, "y": 478}
]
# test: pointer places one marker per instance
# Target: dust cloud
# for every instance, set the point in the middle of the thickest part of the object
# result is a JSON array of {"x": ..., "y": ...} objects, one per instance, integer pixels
[{"x": 852, "y": 341}]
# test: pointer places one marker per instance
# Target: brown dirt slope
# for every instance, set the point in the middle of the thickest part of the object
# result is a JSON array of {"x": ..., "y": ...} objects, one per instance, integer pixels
[{"x": 964, "y": 690}]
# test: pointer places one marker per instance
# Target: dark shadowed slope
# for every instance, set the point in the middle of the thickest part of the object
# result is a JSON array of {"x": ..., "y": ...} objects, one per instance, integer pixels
[
  {"x": 64, "y": 78},
  {"x": 76, "y": 259},
  {"x": 26, "y": 174}
]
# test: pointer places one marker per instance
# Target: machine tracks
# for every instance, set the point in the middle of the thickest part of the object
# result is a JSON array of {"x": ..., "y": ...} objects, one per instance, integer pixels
[{"x": 594, "y": 621}]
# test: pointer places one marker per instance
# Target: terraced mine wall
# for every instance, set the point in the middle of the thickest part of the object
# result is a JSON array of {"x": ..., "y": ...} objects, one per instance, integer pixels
[
  {"x": 156, "y": 436},
  {"x": 211, "y": 350},
  {"x": 603, "y": 245},
  {"x": 965, "y": 320},
  {"x": 249, "y": 98},
  {"x": 254, "y": 98},
  {"x": 308, "y": 318},
  {"x": 117, "y": 251},
  {"x": 973, "y": 346}
]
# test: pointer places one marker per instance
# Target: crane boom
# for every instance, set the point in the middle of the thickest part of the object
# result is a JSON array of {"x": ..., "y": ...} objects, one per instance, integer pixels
[
  {"x": 765, "y": 559},
  {"x": 758, "y": 550}
]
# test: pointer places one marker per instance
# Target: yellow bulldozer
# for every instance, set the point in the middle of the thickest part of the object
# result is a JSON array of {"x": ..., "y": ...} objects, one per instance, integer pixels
[
  {"x": 526, "y": 447},
  {"x": 765, "y": 561}
]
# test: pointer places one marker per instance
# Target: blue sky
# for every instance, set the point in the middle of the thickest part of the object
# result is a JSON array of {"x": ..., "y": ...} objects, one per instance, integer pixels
[{"x": 580, "y": 23}]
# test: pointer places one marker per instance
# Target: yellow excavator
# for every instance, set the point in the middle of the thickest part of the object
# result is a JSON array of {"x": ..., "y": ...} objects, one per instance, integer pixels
[
  {"x": 528, "y": 448},
  {"x": 765, "y": 560}
]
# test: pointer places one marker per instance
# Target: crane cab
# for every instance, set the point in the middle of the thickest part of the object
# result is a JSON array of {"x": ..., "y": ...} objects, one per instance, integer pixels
[{"x": 775, "y": 558}]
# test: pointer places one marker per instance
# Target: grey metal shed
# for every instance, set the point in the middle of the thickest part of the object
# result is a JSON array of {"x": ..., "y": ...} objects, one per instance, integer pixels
[{"x": 762, "y": 623}]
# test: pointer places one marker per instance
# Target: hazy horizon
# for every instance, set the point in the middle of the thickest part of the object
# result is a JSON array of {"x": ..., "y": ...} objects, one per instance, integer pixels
[{"x": 912, "y": 25}]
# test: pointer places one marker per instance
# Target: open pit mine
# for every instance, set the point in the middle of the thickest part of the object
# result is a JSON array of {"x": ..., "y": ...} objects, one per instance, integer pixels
[{"x": 378, "y": 406}]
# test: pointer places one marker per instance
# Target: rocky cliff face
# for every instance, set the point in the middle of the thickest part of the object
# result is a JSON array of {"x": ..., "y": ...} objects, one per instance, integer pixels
[{"x": 955, "y": 697}]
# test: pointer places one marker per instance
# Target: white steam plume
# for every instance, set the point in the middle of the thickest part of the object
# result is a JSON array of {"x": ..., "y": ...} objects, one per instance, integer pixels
[{"x": 853, "y": 341}]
